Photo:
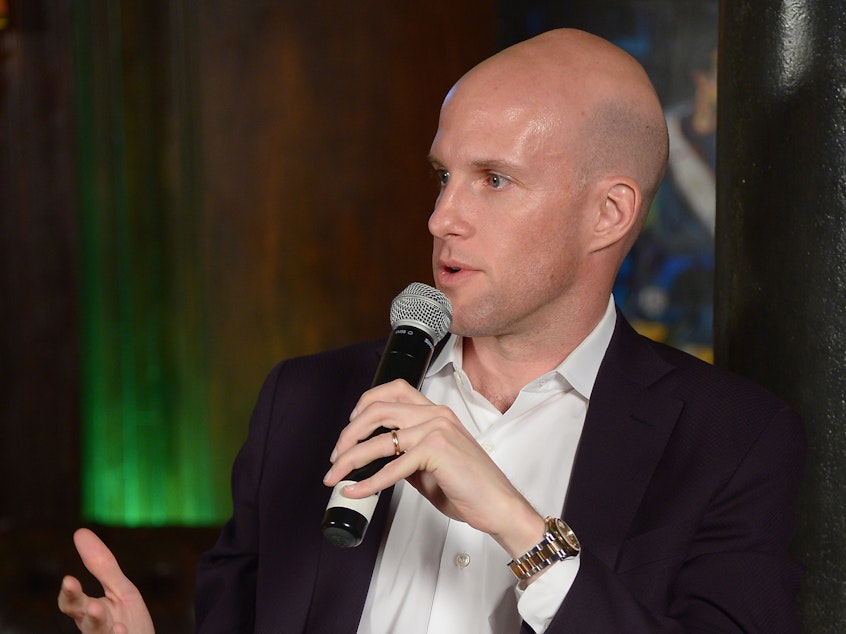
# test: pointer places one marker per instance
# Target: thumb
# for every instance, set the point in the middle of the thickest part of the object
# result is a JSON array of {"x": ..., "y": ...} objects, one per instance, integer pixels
[{"x": 101, "y": 563}]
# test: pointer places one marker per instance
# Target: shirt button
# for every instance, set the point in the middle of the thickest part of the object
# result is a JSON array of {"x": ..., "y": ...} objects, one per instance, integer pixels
[
  {"x": 488, "y": 446},
  {"x": 462, "y": 560}
]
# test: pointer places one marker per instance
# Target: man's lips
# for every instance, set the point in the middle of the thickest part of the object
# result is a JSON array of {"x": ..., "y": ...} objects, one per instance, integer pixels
[
  {"x": 452, "y": 271},
  {"x": 451, "y": 266}
]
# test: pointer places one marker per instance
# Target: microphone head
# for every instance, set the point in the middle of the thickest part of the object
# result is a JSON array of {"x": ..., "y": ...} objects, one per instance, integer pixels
[{"x": 424, "y": 307}]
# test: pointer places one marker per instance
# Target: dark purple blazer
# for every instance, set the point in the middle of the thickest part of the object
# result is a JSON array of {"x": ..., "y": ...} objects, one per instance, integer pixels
[{"x": 682, "y": 494}]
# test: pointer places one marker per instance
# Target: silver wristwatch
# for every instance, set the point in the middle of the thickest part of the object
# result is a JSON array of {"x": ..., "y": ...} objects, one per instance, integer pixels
[{"x": 559, "y": 543}]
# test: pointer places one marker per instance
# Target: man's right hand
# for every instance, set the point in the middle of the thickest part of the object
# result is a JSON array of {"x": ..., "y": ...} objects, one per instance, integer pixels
[{"x": 121, "y": 611}]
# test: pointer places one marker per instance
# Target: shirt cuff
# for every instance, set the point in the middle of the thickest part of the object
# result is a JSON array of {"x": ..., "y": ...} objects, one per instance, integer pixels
[{"x": 538, "y": 603}]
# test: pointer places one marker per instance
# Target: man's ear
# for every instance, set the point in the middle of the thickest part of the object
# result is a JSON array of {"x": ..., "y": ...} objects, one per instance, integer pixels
[{"x": 617, "y": 214}]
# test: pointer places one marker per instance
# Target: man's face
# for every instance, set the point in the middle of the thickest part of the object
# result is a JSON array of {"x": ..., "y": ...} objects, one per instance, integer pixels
[{"x": 509, "y": 225}]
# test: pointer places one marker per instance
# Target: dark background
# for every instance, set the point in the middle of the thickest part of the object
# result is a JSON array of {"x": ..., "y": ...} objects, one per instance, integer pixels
[{"x": 296, "y": 134}]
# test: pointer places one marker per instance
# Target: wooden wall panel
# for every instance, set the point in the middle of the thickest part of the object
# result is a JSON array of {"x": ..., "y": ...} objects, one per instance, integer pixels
[
  {"x": 307, "y": 135},
  {"x": 39, "y": 391},
  {"x": 316, "y": 122}
]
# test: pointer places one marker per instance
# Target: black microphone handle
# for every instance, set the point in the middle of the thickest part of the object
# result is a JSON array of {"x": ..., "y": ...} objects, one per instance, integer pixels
[{"x": 407, "y": 355}]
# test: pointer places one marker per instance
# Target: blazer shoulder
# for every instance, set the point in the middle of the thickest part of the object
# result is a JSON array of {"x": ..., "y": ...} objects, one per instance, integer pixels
[
  {"x": 329, "y": 366},
  {"x": 722, "y": 386},
  {"x": 702, "y": 386},
  {"x": 306, "y": 380}
]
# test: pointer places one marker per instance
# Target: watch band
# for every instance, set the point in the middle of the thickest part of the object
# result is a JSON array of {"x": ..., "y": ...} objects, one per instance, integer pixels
[{"x": 559, "y": 543}]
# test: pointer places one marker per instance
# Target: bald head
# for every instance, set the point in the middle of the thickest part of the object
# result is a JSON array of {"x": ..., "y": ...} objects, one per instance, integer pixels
[{"x": 600, "y": 99}]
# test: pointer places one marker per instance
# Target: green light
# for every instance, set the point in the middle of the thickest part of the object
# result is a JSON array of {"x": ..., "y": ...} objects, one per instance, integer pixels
[{"x": 145, "y": 384}]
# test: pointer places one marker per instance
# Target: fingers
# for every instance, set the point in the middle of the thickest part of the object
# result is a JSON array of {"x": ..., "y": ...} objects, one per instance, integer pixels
[
  {"x": 440, "y": 458},
  {"x": 396, "y": 391},
  {"x": 425, "y": 439},
  {"x": 395, "y": 406},
  {"x": 120, "y": 611},
  {"x": 448, "y": 467},
  {"x": 371, "y": 413},
  {"x": 96, "y": 619},
  {"x": 72, "y": 600},
  {"x": 90, "y": 615},
  {"x": 356, "y": 447},
  {"x": 424, "y": 447}
]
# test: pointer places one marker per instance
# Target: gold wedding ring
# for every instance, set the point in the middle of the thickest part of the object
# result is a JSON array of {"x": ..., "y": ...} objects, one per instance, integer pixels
[{"x": 397, "y": 450}]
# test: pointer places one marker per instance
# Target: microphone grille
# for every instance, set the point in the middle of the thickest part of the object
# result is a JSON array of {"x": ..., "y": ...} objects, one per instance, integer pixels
[{"x": 422, "y": 306}]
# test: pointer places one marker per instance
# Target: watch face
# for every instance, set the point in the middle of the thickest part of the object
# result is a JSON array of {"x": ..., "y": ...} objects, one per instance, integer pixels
[{"x": 567, "y": 535}]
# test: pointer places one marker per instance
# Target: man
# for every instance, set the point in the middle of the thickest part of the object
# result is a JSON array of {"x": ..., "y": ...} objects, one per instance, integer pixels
[{"x": 678, "y": 479}]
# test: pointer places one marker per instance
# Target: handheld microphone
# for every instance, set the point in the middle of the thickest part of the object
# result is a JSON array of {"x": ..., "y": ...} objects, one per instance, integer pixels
[{"x": 420, "y": 317}]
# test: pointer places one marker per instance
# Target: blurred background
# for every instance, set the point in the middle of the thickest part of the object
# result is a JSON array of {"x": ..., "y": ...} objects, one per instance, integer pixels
[{"x": 192, "y": 191}]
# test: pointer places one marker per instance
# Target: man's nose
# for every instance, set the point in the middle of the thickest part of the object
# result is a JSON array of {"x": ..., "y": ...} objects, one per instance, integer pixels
[{"x": 448, "y": 217}]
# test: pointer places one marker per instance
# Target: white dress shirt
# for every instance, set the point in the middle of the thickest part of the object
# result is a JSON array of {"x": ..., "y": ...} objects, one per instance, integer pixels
[{"x": 440, "y": 576}]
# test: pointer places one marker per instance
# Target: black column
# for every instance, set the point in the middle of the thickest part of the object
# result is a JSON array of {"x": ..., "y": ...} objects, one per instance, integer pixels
[{"x": 781, "y": 249}]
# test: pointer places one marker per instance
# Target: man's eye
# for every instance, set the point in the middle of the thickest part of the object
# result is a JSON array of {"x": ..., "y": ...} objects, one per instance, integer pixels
[
  {"x": 442, "y": 176},
  {"x": 496, "y": 181}
]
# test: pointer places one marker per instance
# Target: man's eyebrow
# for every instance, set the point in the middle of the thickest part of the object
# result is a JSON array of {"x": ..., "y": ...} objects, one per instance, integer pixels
[
  {"x": 494, "y": 165},
  {"x": 433, "y": 160}
]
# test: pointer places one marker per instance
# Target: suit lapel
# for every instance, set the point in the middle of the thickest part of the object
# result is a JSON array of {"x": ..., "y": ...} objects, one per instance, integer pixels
[
  {"x": 343, "y": 578},
  {"x": 626, "y": 429},
  {"x": 342, "y": 575}
]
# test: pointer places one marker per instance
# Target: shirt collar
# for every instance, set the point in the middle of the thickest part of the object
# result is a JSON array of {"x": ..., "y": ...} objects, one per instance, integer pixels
[{"x": 580, "y": 367}]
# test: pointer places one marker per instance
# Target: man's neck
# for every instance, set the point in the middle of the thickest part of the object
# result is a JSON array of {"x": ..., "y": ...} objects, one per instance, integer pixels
[
  {"x": 499, "y": 367},
  {"x": 498, "y": 371}
]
